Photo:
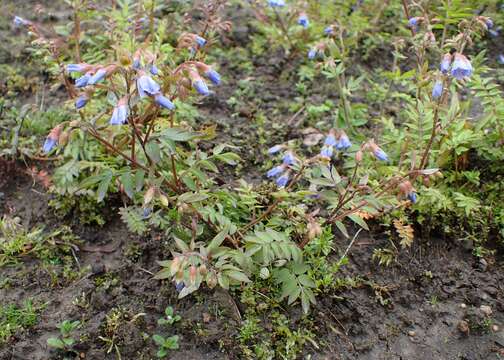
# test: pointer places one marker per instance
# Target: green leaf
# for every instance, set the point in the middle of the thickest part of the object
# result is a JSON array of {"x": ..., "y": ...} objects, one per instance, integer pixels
[
  {"x": 104, "y": 185},
  {"x": 359, "y": 221},
  {"x": 192, "y": 197},
  {"x": 127, "y": 181},
  {"x": 154, "y": 152},
  {"x": 341, "y": 227},
  {"x": 55, "y": 343},
  {"x": 158, "y": 339},
  {"x": 218, "y": 239},
  {"x": 238, "y": 276},
  {"x": 139, "y": 179},
  {"x": 178, "y": 134}
]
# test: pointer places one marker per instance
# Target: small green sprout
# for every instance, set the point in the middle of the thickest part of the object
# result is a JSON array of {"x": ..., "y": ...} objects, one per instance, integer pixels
[
  {"x": 170, "y": 319},
  {"x": 64, "y": 341},
  {"x": 170, "y": 343}
]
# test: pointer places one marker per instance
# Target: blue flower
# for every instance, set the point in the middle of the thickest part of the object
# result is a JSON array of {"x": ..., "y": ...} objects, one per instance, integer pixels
[
  {"x": 461, "y": 67},
  {"x": 312, "y": 53},
  {"x": 489, "y": 23},
  {"x": 500, "y": 59},
  {"x": 343, "y": 143},
  {"x": 274, "y": 149},
  {"x": 437, "y": 90},
  {"x": 413, "y": 22},
  {"x": 283, "y": 180},
  {"x": 213, "y": 76},
  {"x": 493, "y": 33},
  {"x": 19, "y": 21},
  {"x": 83, "y": 80},
  {"x": 201, "y": 87},
  {"x": 288, "y": 158},
  {"x": 120, "y": 114},
  {"x": 380, "y": 154},
  {"x": 330, "y": 140},
  {"x": 412, "y": 196},
  {"x": 303, "y": 21},
  {"x": 137, "y": 64},
  {"x": 445, "y": 63},
  {"x": 81, "y": 102},
  {"x": 71, "y": 68},
  {"x": 146, "y": 86},
  {"x": 154, "y": 70},
  {"x": 200, "y": 41},
  {"x": 179, "y": 286},
  {"x": 276, "y": 3},
  {"x": 274, "y": 172},
  {"x": 163, "y": 101},
  {"x": 97, "y": 77},
  {"x": 329, "y": 30},
  {"x": 327, "y": 151},
  {"x": 49, "y": 144},
  {"x": 146, "y": 211}
]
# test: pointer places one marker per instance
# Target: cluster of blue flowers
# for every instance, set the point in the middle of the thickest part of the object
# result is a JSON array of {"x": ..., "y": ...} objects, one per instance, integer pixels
[
  {"x": 334, "y": 140},
  {"x": 281, "y": 172}
]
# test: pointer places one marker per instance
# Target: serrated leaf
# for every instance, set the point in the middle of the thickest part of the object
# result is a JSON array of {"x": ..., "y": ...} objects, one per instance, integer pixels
[{"x": 359, "y": 221}]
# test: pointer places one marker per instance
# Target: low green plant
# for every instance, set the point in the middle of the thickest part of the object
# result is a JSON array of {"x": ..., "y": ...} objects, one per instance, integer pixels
[
  {"x": 14, "y": 318},
  {"x": 64, "y": 341},
  {"x": 165, "y": 344},
  {"x": 170, "y": 317}
]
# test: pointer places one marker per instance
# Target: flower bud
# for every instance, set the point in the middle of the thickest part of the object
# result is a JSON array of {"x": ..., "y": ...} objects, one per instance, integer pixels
[
  {"x": 358, "y": 156},
  {"x": 211, "y": 280},
  {"x": 175, "y": 265},
  {"x": 202, "y": 270},
  {"x": 193, "y": 272}
]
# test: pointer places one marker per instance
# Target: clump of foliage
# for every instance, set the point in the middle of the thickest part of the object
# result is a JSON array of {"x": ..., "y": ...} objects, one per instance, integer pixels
[
  {"x": 136, "y": 84},
  {"x": 64, "y": 341},
  {"x": 14, "y": 318}
]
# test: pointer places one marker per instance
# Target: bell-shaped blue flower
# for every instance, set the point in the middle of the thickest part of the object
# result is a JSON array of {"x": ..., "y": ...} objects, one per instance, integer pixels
[
  {"x": 500, "y": 59},
  {"x": 283, "y": 180},
  {"x": 327, "y": 151},
  {"x": 461, "y": 67},
  {"x": 329, "y": 30},
  {"x": 154, "y": 70},
  {"x": 276, "y": 3},
  {"x": 312, "y": 53},
  {"x": 330, "y": 140},
  {"x": 120, "y": 113},
  {"x": 163, "y": 101},
  {"x": 49, "y": 144},
  {"x": 380, "y": 154},
  {"x": 437, "y": 90},
  {"x": 200, "y": 41},
  {"x": 71, "y": 68},
  {"x": 275, "y": 171},
  {"x": 146, "y": 86},
  {"x": 97, "y": 77},
  {"x": 201, "y": 87},
  {"x": 343, "y": 142},
  {"x": 303, "y": 21},
  {"x": 274, "y": 149},
  {"x": 289, "y": 158},
  {"x": 213, "y": 76},
  {"x": 81, "y": 102},
  {"x": 19, "y": 21},
  {"x": 412, "y": 196},
  {"x": 445, "y": 63},
  {"x": 83, "y": 80}
]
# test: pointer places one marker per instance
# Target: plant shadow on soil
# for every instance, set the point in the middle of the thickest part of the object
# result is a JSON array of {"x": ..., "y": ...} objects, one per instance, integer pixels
[{"x": 410, "y": 310}]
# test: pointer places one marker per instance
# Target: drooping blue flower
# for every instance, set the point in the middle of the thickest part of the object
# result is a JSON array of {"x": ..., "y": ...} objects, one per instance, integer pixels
[
  {"x": 303, "y": 21},
  {"x": 329, "y": 30},
  {"x": 83, "y": 80},
  {"x": 200, "y": 41},
  {"x": 276, "y": 3},
  {"x": 312, "y": 53},
  {"x": 413, "y": 22},
  {"x": 179, "y": 286},
  {"x": 494, "y": 33},
  {"x": 146, "y": 86},
  {"x": 71, "y": 68},
  {"x": 412, "y": 196},
  {"x": 120, "y": 113},
  {"x": 461, "y": 67},
  {"x": 380, "y": 154},
  {"x": 500, "y": 59},
  {"x": 81, "y": 102},
  {"x": 289, "y": 158},
  {"x": 97, "y": 77},
  {"x": 327, "y": 151},
  {"x": 275, "y": 171},
  {"x": 330, "y": 140},
  {"x": 201, "y": 87},
  {"x": 437, "y": 90},
  {"x": 283, "y": 180},
  {"x": 274, "y": 149},
  {"x": 19, "y": 21},
  {"x": 445, "y": 63},
  {"x": 146, "y": 211},
  {"x": 137, "y": 64},
  {"x": 163, "y": 101},
  {"x": 154, "y": 70},
  {"x": 489, "y": 23},
  {"x": 343, "y": 142},
  {"x": 213, "y": 76},
  {"x": 49, "y": 144}
]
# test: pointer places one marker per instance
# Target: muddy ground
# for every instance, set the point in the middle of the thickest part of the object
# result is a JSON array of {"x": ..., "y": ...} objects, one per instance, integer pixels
[{"x": 436, "y": 302}]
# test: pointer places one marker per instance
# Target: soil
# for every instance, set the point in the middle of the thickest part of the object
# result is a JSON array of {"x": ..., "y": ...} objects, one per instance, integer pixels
[{"x": 432, "y": 303}]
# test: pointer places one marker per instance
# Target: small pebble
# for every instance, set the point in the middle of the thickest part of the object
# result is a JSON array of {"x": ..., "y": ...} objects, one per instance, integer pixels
[
  {"x": 485, "y": 309},
  {"x": 411, "y": 333},
  {"x": 463, "y": 306},
  {"x": 495, "y": 328},
  {"x": 463, "y": 326}
]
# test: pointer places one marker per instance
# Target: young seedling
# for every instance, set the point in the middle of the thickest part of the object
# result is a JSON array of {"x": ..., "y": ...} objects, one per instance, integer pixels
[
  {"x": 170, "y": 343},
  {"x": 170, "y": 318},
  {"x": 64, "y": 341}
]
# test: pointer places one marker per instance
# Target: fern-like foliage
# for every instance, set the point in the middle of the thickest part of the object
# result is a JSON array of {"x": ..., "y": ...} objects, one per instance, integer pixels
[
  {"x": 405, "y": 232},
  {"x": 133, "y": 220},
  {"x": 269, "y": 246}
]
